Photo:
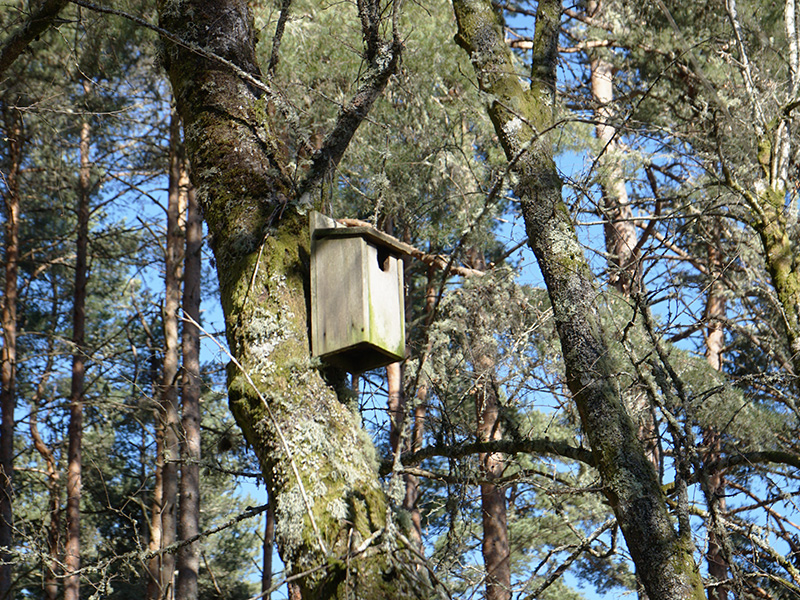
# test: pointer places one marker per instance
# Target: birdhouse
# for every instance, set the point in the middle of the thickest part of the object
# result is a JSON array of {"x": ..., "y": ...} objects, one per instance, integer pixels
[{"x": 357, "y": 306}]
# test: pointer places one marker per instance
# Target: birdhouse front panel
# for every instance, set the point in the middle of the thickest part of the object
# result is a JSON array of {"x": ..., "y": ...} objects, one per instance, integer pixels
[{"x": 357, "y": 305}]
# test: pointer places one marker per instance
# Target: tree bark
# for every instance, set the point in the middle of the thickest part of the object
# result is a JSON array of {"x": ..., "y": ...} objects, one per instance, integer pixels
[
  {"x": 495, "y": 546},
  {"x": 318, "y": 464},
  {"x": 420, "y": 415},
  {"x": 189, "y": 518},
  {"x": 157, "y": 504},
  {"x": 269, "y": 545},
  {"x": 396, "y": 402},
  {"x": 782, "y": 262},
  {"x": 663, "y": 556},
  {"x": 52, "y": 558},
  {"x": 8, "y": 353},
  {"x": 72, "y": 559},
  {"x": 169, "y": 383},
  {"x": 715, "y": 342},
  {"x": 620, "y": 230}
]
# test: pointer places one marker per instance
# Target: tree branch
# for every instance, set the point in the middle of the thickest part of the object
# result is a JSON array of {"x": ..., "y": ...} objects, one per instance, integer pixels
[
  {"x": 39, "y": 22},
  {"x": 537, "y": 446},
  {"x": 437, "y": 261},
  {"x": 384, "y": 57}
]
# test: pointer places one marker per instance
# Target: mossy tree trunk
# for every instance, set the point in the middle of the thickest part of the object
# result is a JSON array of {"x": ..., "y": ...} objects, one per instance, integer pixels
[
  {"x": 320, "y": 468},
  {"x": 663, "y": 556},
  {"x": 782, "y": 260}
]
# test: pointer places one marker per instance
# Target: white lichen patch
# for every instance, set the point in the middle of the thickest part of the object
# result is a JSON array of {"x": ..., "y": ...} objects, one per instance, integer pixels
[
  {"x": 265, "y": 332},
  {"x": 290, "y": 510},
  {"x": 337, "y": 509},
  {"x": 513, "y": 127},
  {"x": 396, "y": 490}
]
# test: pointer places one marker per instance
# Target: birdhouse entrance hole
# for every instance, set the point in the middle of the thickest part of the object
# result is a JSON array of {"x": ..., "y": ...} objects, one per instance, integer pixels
[{"x": 383, "y": 258}]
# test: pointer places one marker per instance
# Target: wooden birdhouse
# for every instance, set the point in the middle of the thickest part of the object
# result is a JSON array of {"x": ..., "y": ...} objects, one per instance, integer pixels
[{"x": 357, "y": 306}]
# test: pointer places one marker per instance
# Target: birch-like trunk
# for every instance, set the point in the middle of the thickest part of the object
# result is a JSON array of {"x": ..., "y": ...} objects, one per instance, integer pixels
[{"x": 620, "y": 229}]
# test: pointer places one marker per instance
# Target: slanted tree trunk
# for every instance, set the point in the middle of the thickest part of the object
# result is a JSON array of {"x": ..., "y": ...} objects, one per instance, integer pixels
[
  {"x": 72, "y": 558},
  {"x": 41, "y": 18},
  {"x": 319, "y": 466},
  {"x": 189, "y": 518},
  {"x": 663, "y": 556},
  {"x": 8, "y": 353}
]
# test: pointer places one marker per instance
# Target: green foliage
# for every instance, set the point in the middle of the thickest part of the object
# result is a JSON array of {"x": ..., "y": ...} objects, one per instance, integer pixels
[{"x": 422, "y": 167}]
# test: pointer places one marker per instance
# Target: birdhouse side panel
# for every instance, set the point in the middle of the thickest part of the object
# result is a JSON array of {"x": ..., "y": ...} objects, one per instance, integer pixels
[
  {"x": 385, "y": 302},
  {"x": 339, "y": 313}
]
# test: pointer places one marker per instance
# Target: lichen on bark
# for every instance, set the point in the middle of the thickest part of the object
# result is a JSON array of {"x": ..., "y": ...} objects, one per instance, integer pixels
[
  {"x": 318, "y": 464},
  {"x": 521, "y": 117}
]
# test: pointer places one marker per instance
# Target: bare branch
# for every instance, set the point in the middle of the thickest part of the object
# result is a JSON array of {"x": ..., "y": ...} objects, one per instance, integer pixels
[
  {"x": 382, "y": 66},
  {"x": 274, "y": 56},
  {"x": 537, "y": 446},
  {"x": 433, "y": 260}
]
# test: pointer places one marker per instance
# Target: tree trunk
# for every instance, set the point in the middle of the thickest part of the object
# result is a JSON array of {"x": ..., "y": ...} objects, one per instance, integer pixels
[
  {"x": 397, "y": 404},
  {"x": 169, "y": 383},
  {"x": 269, "y": 545},
  {"x": 495, "y": 546},
  {"x": 52, "y": 559},
  {"x": 189, "y": 519},
  {"x": 782, "y": 261},
  {"x": 620, "y": 230},
  {"x": 154, "y": 545},
  {"x": 715, "y": 342},
  {"x": 8, "y": 353},
  {"x": 663, "y": 557},
  {"x": 420, "y": 416},
  {"x": 624, "y": 269},
  {"x": 319, "y": 466},
  {"x": 72, "y": 559}
]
